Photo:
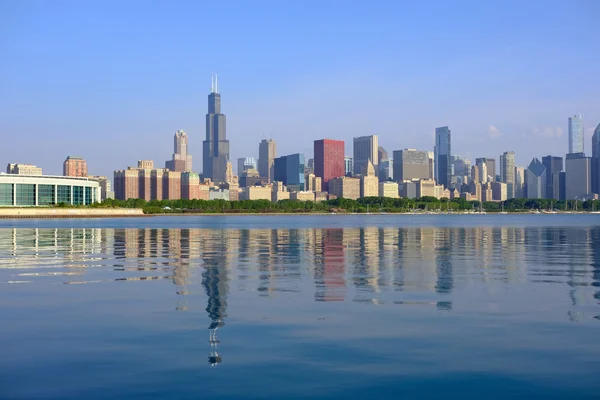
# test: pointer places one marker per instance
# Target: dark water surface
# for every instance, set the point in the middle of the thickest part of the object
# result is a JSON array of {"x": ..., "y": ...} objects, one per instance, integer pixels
[{"x": 376, "y": 306}]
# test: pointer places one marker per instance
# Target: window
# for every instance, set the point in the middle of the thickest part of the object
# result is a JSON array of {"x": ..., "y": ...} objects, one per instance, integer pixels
[
  {"x": 88, "y": 195},
  {"x": 64, "y": 194},
  {"x": 77, "y": 195},
  {"x": 6, "y": 194},
  {"x": 25, "y": 194},
  {"x": 45, "y": 195}
]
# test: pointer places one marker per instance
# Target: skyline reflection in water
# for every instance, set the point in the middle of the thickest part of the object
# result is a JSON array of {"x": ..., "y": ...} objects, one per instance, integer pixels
[{"x": 540, "y": 274}]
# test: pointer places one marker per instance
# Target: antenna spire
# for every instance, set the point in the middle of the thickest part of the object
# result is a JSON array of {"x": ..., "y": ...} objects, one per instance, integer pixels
[
  {"x": 216, "y": 83},
  {"x": 212, "y": 83}
]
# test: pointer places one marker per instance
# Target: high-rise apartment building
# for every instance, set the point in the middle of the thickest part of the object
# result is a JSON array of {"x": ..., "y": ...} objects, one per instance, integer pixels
[
  {"x": 442, "y": 155},
  {"x": 75, "y": 166},
  {"x": 576, "y": 136},
  {"x": 23, "y": 169},
  {"x": 215, "y": 149},
  {"x": 507, "y": 172},
  {"x": 535, "y": 180},
  {"x": 596, "y": 161},
  {"x": 181, "y": 160},
  {"x": 267, "y": 151},
  {"x": 553, "y": 165},
  {"x": 411, "y": 164},
  {"x": 329, "y": 160},
  {"x": 244, "y": 163},
  {"x": 578, "y": 176},
  {"x": 349, "y": 166},
  {"x": 365, "y": 149}
]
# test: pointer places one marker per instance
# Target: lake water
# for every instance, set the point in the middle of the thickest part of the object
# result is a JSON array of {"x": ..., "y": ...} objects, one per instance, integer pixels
[{"x": 375, "y": 306}]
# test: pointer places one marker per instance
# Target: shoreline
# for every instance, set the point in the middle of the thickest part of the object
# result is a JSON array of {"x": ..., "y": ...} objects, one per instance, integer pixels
[{"x": 36, "y": 213}]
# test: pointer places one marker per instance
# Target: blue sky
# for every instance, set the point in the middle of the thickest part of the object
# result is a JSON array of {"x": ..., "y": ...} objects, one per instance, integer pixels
[{"x": 112, "y": 81}]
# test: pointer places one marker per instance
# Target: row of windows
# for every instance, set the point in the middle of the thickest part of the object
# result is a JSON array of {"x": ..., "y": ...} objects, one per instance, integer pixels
[{"x": 25, "y": 194}]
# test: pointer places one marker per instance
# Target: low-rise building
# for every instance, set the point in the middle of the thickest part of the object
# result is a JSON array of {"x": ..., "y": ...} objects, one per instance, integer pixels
[
  {"x": 388, "y": 189},
  {"x": 302, "y": 196},
  {"x": 346, "y": 187},
  {"x": 23, "y": 169},
  {"x": 46, "y": 190}
]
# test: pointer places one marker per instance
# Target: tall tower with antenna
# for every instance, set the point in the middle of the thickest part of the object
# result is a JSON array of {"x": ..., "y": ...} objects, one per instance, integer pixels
[{"x": 215, "y": 149}]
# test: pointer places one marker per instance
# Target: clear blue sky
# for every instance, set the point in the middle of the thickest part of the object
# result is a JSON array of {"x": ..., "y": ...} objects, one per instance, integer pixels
[{"x": 113, "y": 80}]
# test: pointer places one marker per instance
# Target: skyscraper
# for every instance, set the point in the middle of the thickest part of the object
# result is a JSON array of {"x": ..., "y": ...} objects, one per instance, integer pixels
[
  {"x": 443, "y": 151},
  {"x": 366, "y": 148},
  {"x": 576, "y": 139},
  {"x": 181, "y": 161},
  {"x": 410, "y": 164},
  {"x": 245, "y": 163},
  {"x": 382, "y": 154},
  {"x": 490, "y": 165},
  {"x": 290, "y": 170},
  {"x": 75, "y": 166},
  {"x": 348, "y": 166},
  {"x": 553, "y": 165},
  {"x": 507, "y": 172},
  {"x": 329, "y": 160},
  {"x": 535, "y": 180},
  {"x": 596, "y": 161},
  {"x": 215, "y": 149},
  {"x": 267, "y": 151},
  {"x": 578, "y": 176}
]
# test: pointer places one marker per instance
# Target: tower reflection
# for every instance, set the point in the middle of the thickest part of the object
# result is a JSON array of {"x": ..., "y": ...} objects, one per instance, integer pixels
[{"x": 411, "y": 265}]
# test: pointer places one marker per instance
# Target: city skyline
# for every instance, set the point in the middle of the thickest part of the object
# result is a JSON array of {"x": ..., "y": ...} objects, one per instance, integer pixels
[{"x": 126, "y": 89}]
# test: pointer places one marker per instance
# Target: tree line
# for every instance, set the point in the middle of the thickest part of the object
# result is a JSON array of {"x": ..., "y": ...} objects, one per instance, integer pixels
[{"x": 363, "y": 205}]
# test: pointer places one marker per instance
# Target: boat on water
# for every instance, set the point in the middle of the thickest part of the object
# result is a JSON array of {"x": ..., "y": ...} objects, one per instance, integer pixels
[{"x": 503, "y": 212}]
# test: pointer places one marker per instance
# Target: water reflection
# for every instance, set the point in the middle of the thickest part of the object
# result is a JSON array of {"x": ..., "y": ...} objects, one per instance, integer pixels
[{"x": 426, "y": 265}]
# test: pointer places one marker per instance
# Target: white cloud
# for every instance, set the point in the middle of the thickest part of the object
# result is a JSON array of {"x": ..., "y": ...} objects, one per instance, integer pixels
[
  {"x": 547, "y": 131},
  {"x": 493, "y": 132}
]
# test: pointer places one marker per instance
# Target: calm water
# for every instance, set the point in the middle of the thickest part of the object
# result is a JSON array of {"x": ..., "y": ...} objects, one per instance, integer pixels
[{"x": 376, "y": 306}]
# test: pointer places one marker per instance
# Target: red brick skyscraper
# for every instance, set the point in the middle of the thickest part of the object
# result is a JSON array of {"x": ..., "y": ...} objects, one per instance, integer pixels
[
  {"x": 75, "y": 166},
  {"x": 329, "y": 160}
]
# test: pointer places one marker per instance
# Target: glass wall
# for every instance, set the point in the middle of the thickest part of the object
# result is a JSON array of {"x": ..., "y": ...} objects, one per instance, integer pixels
[
  {"x": 77, "y": 195},
  {"x": 25, "y": 194},
  {"x": 6, "y": 194},
  {"x": 45, "y": 195},
  {"x": 88, "y": 195},
  {"x": 64, "y": 194}
]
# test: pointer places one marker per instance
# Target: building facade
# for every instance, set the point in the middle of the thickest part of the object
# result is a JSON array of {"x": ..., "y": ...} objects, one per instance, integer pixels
[
  {"x": 578, "y": 176},
  {"x": 45, "y": 190},
  {"x": 348, "y": 166},
  {"x": 442, "y": 156},
  {"x": 576, "y": 136},
  {"x": 535, "y": 180},
  {"x": 553, "y": 165},
  {"x": 369, "y": 182},
  {"x": 215, "y": 149},
  {"x": 245, "y": 163},
  {"x": 23, "y": 169},
  {"x": 267, "y": 151},
  {"x": 329, "y": 160},
  {"x": 75, "y": 166},
  {"x": 181, "y": 160},
  {"x": 596, "y": 161},
  {"x": 507, "y": 172},
  {"x": 365, "y": 150},
  {"x": 411, "y": 164},
  {"x": 388, "y": 189},
  {"x": 346, "y": 187}
]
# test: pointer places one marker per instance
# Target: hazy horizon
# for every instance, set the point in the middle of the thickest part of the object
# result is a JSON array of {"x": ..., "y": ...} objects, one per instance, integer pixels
[{"x": 113, "y": 82}]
